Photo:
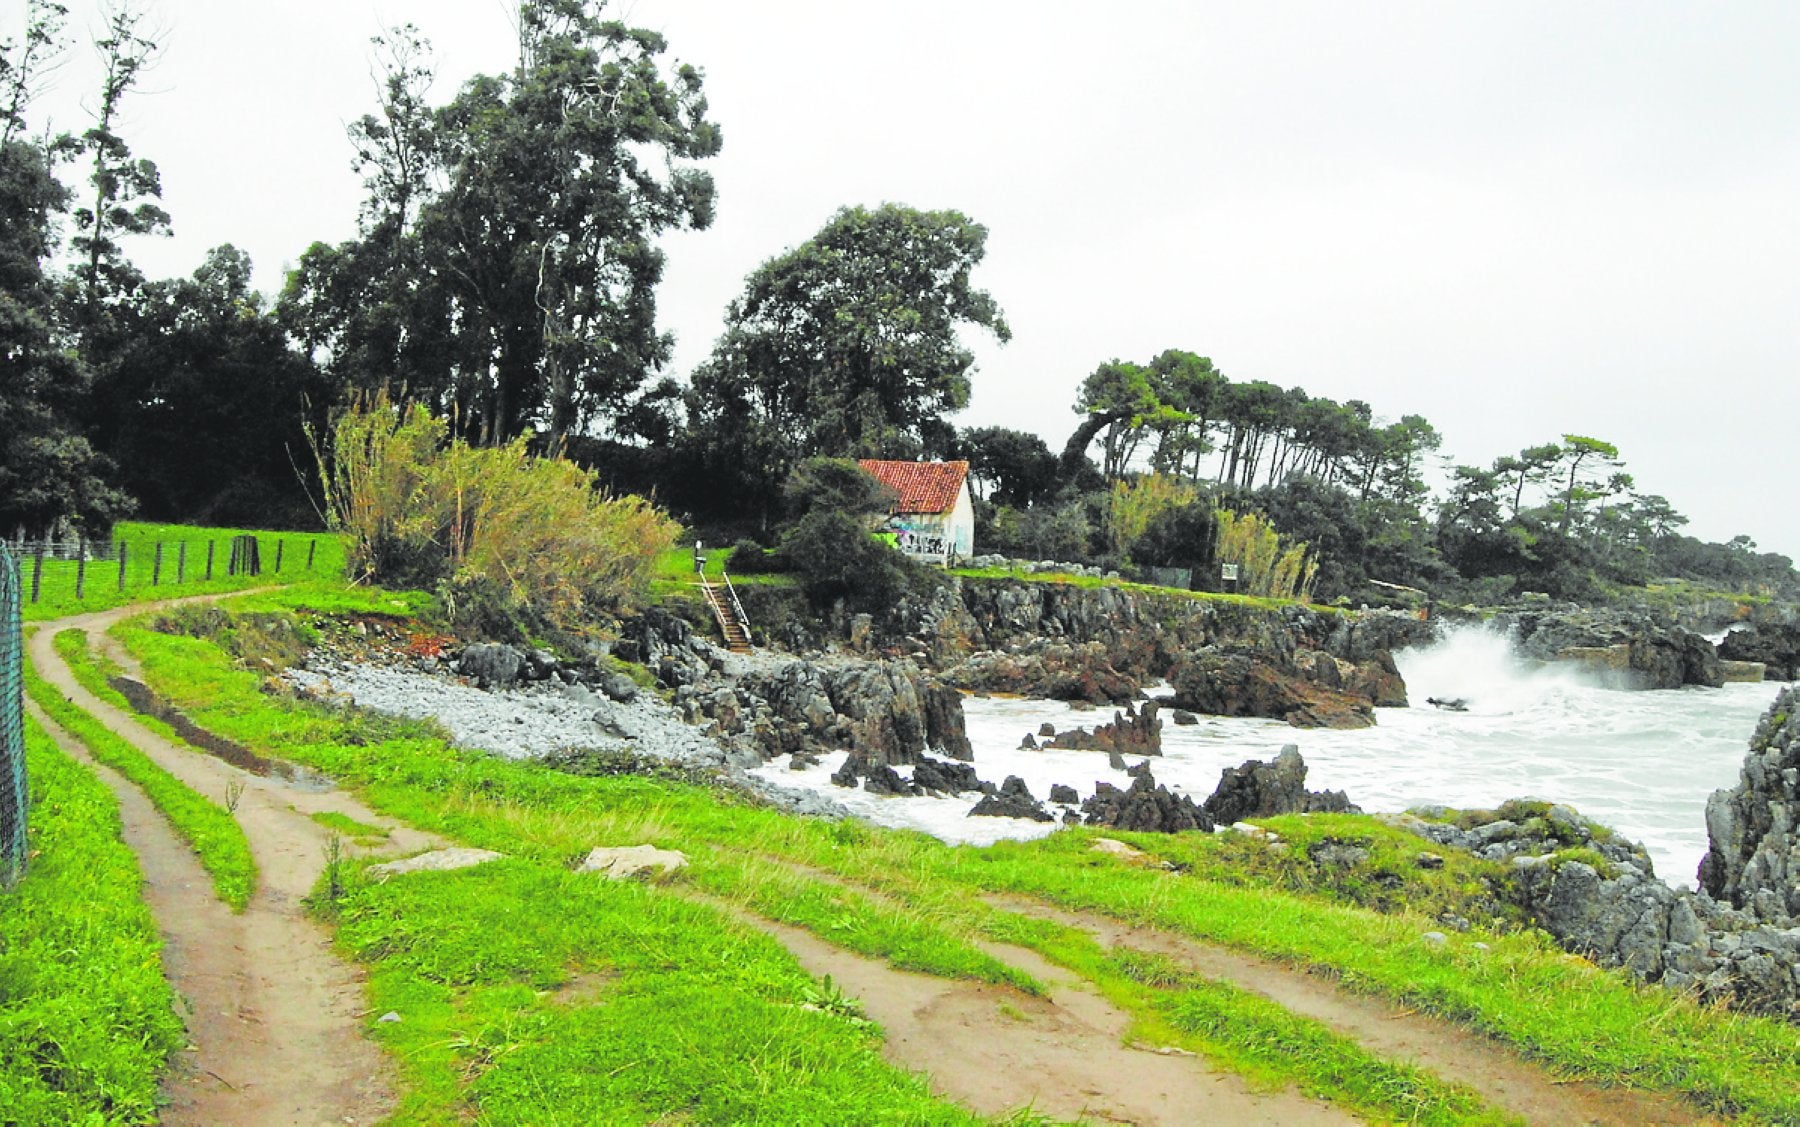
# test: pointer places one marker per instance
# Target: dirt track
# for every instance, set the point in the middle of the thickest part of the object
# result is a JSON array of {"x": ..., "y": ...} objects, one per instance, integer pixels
[{"x": 274, "y": 1018}]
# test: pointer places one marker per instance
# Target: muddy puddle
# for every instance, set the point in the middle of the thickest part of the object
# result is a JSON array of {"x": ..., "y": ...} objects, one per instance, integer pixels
[{"x": 144, "y": 701}]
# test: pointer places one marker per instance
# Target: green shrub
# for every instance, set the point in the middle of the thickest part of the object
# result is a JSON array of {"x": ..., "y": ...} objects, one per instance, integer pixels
[{"x": 423, "y": 509}]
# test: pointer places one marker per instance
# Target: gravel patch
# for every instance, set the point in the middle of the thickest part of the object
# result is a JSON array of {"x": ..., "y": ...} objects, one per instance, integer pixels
[{"x": 533, "y": 721}]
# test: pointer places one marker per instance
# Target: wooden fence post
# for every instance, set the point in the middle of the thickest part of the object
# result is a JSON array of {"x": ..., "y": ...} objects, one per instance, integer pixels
[
  {"x": 156, "y": 567},
  {"x": 80, "y": 574},
  {"x": 311, "y": 547},
  {"x": 124, "y": 558},
  {"x": 210, "y": 545},
  {"x": 279, "y": 545},
  {"x": 37, "y": 574},
  {"x": 181, "y": 562}
]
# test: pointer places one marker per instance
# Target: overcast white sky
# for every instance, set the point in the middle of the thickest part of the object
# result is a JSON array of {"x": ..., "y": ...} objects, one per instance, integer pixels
[{"x": 1517, "y": 219}]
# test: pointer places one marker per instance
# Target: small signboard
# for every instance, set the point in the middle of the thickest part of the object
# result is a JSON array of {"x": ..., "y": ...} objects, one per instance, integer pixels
[{"x": 1228, "y": 572}]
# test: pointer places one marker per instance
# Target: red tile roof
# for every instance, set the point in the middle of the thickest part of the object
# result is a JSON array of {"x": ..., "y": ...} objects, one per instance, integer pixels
[{"x": 922, "y": 487}]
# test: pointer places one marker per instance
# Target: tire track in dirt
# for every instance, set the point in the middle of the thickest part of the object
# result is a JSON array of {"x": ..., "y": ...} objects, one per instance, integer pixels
[
  {"x": 995, "y": 1049},
  {"x": 1456, "y": 1053},
  {"x": 274, "y": 1016}
]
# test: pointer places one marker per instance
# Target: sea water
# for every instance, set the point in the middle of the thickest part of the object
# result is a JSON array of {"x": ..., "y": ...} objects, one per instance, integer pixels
[{"x": 1643, "y": 763}]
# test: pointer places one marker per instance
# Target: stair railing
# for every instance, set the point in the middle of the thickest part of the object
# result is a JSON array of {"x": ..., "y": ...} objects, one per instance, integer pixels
[{"x": 743, "y": 619}]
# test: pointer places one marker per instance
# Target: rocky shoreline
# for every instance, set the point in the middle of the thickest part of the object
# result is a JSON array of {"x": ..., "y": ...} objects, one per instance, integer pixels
[{"x": 892, "y": 699}]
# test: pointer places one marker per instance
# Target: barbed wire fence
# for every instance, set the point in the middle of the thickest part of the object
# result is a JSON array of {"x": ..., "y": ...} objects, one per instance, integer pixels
[{"x": 15, "y": 793}]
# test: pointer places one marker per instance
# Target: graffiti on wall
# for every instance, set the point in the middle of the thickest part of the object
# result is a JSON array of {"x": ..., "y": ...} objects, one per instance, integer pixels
[{"x": 919, "y": 539}]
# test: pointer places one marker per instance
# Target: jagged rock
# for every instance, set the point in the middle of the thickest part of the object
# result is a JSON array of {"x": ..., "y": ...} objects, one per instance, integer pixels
[
  {"x": 946, "y": 729},
  {"x": 1046, "y": 730},
  {"x": 1258, "y": 789},
  {"x": 1136, "y": 731},
  {"x": 1776, "y": 646},
  {"x": 1240, "y": 684},
  {"x": 1627, "y": 649},
  {"x": 1753, "y": 829},
  {"x": 1066, "y": 795},
  {"x": 879, "y": 778},
  {"x": 627, "y": 861},
  {"x": 847, "y": 775},
  {"x": 887, "y": 711},
  {"x": 1617, "y": 913},
  {"x": 934, "y": 776},
  {"x": 1028, "y": 743},
  {"x": 1147, "y": 806},
  {"x": 1014, "y": 800},
  {"x": 1184, "y": 718},
  {"x": 493, "y": 665},
  {"x": 1052, "y": 670}
]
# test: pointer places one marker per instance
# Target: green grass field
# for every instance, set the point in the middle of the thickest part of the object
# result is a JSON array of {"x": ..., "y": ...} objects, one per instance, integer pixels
[{"x": 55, "y": 588}]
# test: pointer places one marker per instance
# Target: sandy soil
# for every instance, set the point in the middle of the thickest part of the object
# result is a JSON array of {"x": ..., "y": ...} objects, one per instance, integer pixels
[{"x": 275, "y": 1019}]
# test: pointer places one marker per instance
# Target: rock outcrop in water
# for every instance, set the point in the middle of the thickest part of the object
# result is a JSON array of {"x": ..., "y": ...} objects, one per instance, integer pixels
[
  {"x": 1776, "y": 646},
  {"x": 1103, "y": 644},
  {"x": 1259, "y": 789},
  {"x": 1146, "y": 806},
  {"x": 1136, "y": 731},
  {"x": 1625, "y": 649}
]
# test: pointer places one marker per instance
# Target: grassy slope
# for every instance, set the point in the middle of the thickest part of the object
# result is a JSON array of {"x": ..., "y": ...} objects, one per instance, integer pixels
[
  {"x": 88, "y": 1023},
  {"x": 1583, "y": 1020}
]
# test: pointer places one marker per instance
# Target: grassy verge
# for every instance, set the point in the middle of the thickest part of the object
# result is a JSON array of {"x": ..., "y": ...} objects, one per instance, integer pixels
[
  {"x": 217, "y": 840},
  {"x": 529, "y": 994},
  {"x": 1519, "y": 988},
  {"x": 87, "y": 1023}
]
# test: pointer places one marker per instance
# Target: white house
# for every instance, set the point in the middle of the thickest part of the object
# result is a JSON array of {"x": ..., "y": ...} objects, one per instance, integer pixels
[{"x": 932, "y": 518}]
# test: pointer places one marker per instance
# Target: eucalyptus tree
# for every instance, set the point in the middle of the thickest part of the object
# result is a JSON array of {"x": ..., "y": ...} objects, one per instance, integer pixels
[
  {"x": 849, "y": 345},
  {"x": 507, "y": 263},
  {"x": 125, "y": 191},
  {"x": 49, "y": 472}
]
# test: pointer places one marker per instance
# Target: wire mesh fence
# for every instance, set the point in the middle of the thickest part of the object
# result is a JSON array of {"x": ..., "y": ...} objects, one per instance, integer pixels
[
  {"x": 15, "y": 795},
  {"x": 75, "y": 572}
]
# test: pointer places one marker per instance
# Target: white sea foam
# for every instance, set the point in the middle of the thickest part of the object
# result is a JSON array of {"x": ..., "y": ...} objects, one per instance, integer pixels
[{"x": 1641, "y": 762}]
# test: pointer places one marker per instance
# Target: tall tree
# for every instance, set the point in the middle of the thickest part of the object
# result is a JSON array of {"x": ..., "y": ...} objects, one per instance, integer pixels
[
  {"x": 49, "y": 473},
  {"x": 521, "y": 219},
  {"x": 848, "y": 345},
  {"x": 124, "y": 190},
  {"x": 201, "y": 355}
]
